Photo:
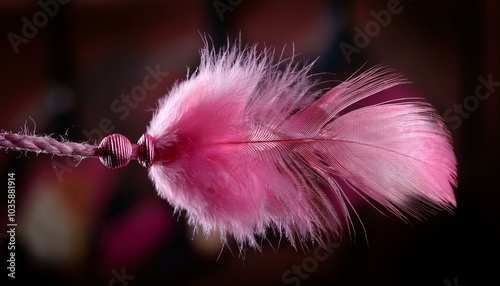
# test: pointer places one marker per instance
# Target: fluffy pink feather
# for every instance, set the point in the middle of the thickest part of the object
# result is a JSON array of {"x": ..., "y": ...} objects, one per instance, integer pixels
[{"x": 244, "y": 146}]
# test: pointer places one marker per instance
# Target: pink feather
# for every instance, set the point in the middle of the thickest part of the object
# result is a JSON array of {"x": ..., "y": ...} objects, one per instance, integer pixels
[{"x": 243, "y": 146}]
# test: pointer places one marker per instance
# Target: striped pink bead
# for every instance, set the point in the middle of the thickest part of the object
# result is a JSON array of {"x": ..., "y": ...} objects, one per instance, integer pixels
[
  {"x": 115, "y": 151},
  {"x": 145, "y": 150}
]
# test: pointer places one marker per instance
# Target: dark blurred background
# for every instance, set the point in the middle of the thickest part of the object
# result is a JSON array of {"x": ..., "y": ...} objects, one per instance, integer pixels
[{"x": 67, "y": 67}]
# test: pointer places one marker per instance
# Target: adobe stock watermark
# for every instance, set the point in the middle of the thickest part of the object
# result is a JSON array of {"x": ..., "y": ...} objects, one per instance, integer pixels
[
  {"x": 222, "y": 7},
  {"x": 30, "y": 27},
  {"x": 483, "y": 91},
  {"x": 120, "y": 277},
  {"x": 363, "y": 37},
  {"x": 122, "y": 107},
  {"x": 297, "y": 273}
]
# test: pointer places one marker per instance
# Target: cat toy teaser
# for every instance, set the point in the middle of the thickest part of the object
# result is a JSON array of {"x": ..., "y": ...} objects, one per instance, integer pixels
[{"x": 243, "y": 146}]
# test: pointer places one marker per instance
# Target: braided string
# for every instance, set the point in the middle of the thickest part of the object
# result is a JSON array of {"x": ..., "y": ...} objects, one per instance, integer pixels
[
  {"x": 114, "y": 151},
  {"x": 47, "y": 145}
]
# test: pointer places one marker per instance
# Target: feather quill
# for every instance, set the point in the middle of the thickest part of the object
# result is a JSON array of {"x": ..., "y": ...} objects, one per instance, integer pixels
[{"x": 243, "y": 146}]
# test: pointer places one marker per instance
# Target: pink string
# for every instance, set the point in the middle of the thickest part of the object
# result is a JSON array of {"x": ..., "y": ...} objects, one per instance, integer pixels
[
  {"x": 47, "y": 145},
  {"x": 114, "y": 151}
]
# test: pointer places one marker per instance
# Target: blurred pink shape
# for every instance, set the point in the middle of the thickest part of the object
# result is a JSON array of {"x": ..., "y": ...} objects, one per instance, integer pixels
[{"x": 135, "y": 235}]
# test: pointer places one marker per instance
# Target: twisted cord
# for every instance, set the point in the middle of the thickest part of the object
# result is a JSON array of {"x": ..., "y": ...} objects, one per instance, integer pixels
[{"x": 45, "y": 145}]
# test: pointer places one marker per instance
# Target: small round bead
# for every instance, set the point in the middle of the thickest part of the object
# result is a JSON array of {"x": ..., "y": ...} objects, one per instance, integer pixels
[
  {"x": 145, "y": 150},
  {"x": 115, "y": 151}
]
